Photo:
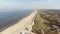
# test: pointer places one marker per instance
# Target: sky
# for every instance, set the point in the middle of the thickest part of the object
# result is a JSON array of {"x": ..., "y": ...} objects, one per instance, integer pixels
[{"x": 29, "y": 4}]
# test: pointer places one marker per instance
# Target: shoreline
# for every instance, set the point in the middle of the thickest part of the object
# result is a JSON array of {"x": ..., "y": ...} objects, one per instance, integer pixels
[
  {"x": 18, "y": 26},
  {"x": 13, "y": 23}
]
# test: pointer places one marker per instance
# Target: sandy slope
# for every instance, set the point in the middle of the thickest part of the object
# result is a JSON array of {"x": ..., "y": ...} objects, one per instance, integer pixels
[{"x": 20, "y": 26}]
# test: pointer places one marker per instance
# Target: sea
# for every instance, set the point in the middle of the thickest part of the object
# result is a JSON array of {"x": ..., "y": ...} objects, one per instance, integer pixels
[{"x": 10, "y": 17}]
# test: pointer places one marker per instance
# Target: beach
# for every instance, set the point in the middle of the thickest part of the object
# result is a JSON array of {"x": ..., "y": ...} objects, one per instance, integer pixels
[{"x": 20, "y": 26}]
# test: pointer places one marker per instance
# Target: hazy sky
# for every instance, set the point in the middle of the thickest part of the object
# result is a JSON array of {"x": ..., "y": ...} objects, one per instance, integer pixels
[{"x": 29, "y": 4}]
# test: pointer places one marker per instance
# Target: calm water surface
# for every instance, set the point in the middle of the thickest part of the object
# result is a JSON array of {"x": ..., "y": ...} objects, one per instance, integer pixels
[{"x": 11, "y": 16}]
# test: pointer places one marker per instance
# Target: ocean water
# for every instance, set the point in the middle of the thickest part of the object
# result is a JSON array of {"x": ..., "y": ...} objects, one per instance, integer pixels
[{"x": 8, "y": 17}]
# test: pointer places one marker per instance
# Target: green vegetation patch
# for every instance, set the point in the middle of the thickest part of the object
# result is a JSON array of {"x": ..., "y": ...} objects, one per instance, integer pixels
[{"x": 41, "y": 22}]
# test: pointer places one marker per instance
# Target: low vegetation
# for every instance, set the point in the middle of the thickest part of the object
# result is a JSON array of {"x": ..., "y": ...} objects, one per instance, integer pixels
[{"x": 43, "y": 23}]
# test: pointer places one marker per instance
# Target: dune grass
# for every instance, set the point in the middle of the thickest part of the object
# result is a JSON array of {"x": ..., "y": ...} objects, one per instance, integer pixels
[{"x": 39, "y": 23}]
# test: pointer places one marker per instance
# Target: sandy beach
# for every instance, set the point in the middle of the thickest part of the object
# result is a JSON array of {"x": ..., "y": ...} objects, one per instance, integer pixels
[{"x": 20, "y": 26}]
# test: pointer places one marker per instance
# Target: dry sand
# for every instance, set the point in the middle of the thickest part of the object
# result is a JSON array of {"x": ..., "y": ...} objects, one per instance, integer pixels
[{"x": 20, "y": 26}]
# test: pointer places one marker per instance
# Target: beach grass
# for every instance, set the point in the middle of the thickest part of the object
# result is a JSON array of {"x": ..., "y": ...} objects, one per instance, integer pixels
[{"x": 40, "y": 24}]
